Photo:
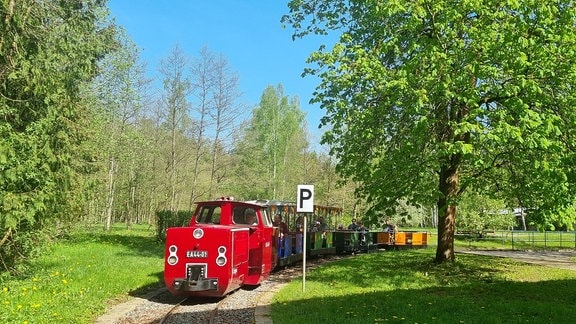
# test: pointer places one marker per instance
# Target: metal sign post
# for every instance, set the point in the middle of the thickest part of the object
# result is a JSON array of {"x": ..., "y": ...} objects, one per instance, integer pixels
[
  {"x": 304, "y": 254},
  {"x": 304, "y": 204}
]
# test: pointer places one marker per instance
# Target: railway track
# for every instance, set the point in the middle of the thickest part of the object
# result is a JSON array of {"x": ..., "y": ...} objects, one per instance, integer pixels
[
  {"x": 175, "y": 307},
  {"x": 237, "y": 307},
  {"x": 198, "y": 310}
]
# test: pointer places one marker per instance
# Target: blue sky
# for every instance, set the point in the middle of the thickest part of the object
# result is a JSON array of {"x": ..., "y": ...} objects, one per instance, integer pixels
[{"x": 248, "y": 33}]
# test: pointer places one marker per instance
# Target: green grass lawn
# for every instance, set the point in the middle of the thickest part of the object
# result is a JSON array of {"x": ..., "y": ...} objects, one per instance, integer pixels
[
  {"x": 405, "y": 286},
  {"x": 75, "y": 280},
  {"x": 78, "y": 278}
]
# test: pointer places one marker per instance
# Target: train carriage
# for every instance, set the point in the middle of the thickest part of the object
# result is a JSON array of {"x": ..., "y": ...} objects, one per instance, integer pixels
[{"x": 401, "y": 239}]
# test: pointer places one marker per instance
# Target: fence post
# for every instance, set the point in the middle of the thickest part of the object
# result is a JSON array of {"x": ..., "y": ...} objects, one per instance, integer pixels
[
  {"x": 512, "y": 231},
  {"x": 545, "y": 245}
]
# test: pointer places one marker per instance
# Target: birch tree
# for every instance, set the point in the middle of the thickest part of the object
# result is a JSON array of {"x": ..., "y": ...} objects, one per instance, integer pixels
[
  {"x": 273, "y": 142},
  {"x": 176, "y": 85},
  {"x": 120, "y": 95}
]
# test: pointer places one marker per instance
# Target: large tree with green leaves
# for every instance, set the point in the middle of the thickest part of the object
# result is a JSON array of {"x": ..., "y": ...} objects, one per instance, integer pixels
[
  {"x": 48, "y": 49},
  {"x": 426, "y": 98},
  {"x": 271, "y": 147}
]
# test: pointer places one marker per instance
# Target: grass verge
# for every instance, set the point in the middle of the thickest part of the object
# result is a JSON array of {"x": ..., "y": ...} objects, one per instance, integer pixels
[
  {"x": 405, "y": 286},
  {"x": 76, "y": 279}
]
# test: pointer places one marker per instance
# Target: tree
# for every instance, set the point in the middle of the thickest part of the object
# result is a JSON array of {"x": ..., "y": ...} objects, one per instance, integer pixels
[
  {"x": 477, "y": 213},
  {"x": 271, "y": 147},
  {"x": 119, "y": 96},
  {"x": 224, "y": 114},
  {"x": 425, "y": 99},
  {"x": 177, "y": 87},
  {"x": 215, "y": 89},
  {"x": 48, "y": 50}
]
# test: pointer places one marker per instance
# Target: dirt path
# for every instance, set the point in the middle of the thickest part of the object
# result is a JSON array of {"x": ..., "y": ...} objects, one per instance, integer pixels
[{"x": 564, "y": 259}]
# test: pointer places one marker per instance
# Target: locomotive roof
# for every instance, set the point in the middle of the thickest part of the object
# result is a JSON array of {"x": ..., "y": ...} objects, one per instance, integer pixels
[
  {"x": 255, "y": 203},
  {"x": 266, "y": 202}
]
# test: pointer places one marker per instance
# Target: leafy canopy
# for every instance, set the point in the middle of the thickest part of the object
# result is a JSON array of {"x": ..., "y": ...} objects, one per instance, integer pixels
[{"x": 483, "y": 89}]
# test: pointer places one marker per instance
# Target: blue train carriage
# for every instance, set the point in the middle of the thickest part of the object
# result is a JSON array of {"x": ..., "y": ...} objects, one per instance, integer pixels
[
  {"x": 319, "y": 233},
  {"x": 289, "y": 246}
]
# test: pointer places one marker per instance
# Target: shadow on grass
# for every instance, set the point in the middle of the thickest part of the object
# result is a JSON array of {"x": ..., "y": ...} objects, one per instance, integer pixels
[
  {"x": 151, "y": 290},
  {"x": 504, "y": 302},
  {"x": 398, "y": 268},
  {"x": 409, "y": 287},
  {"x": 138, "y": 243}
]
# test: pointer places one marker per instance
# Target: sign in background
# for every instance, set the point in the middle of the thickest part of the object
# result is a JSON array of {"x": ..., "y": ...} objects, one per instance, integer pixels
[{"x": 305, "y": 199}]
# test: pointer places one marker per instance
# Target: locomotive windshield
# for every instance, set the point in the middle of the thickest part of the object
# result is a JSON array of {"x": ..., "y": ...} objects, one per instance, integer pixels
[{"x": 209, "y": 215}]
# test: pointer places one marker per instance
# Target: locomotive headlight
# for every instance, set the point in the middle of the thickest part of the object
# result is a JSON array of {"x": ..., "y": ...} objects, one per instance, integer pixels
[
  {"x": 198, "y": 233},
  {"x": 172, "y": 258},
  {"x": 221, "y": 259}
]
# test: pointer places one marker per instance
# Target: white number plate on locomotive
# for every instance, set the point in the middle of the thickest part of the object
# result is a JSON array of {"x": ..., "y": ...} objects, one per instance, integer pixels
[{"x": 196, "y": 254}]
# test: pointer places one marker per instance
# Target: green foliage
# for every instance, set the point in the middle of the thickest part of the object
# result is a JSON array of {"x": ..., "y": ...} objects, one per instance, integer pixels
[
  {"x": 411, "y": 216},
  {"x": 518, "y": 240},
  {"x": 477, "y": 213},
  {"x": 425, "y": 100},
  {"x": 272, "y": 147},
  {"x": 47, "y": 51},
  {"x": 27, "y": 241},
  {"x": 167, "y": 218},
  {"x": 560, "y": 219}
]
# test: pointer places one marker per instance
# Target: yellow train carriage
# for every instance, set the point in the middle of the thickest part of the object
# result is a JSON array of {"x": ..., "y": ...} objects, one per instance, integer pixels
[{"x": 402, "y": 238}]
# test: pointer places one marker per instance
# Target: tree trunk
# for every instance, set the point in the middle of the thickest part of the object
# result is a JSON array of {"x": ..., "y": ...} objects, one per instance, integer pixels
[
  {"x": 110, "y": 193},
  {"x": 448, "y": 185}
]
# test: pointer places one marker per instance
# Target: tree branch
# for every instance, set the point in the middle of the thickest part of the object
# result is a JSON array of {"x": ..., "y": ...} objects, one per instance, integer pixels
[{"x": 6, "y": 236}]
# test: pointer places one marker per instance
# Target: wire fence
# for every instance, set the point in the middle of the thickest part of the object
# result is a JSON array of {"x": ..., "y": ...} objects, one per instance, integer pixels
[{"x": 521, "y": 240}]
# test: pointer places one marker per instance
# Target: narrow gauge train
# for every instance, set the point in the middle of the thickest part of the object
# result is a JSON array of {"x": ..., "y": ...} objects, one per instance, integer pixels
[{"x": 229, "y": 244}]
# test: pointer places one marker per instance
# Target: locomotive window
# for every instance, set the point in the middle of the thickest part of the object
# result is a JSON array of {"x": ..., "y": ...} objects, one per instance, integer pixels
[
  {"x": 266, "y": 217},
  {"x": 216, "y": 215},
  {"x": 250, "y": 217},
  {"x": 209, "y": 215},
  {"x": 238, "y": 215}
]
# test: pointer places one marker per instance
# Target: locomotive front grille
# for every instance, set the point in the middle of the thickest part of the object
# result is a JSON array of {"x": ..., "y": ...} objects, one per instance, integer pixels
[
  {"x": 195, "y": 272},
  {"x": 196, "y": 279}
]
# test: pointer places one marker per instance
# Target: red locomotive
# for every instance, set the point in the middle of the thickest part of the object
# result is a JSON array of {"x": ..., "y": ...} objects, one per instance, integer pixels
[{"x": 229, "y": 244}]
